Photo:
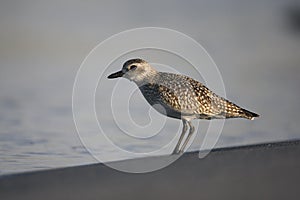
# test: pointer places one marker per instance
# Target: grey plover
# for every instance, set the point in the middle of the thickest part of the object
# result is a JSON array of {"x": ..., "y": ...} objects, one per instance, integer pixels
[{"x": 179, "y": 97}]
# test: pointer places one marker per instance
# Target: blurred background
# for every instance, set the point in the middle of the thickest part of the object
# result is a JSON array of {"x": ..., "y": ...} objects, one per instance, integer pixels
[{"x": 256, "y": 45}]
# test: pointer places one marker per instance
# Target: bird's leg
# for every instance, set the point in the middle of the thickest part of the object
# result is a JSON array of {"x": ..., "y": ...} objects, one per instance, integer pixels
[
  {"x": 192, "y": 130},
  {"x": 184, "y": 129}
]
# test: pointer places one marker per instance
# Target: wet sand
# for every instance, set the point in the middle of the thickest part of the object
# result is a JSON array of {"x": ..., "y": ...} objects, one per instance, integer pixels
[{"x": 267, "y": 171}]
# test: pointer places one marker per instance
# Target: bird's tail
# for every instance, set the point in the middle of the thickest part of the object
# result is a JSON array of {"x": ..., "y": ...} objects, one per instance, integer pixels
[{"x": 249, "y": 115}]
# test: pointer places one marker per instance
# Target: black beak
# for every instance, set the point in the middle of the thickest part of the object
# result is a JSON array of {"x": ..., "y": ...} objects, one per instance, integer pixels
[{"x": 116, "y": 75}]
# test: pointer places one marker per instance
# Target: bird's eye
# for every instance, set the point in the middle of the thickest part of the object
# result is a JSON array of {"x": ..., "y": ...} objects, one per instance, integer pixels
[{"x": 132, "y": 67}]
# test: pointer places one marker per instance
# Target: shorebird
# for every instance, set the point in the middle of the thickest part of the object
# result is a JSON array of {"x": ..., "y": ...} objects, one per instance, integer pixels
[{"x": 179, "y": 96}]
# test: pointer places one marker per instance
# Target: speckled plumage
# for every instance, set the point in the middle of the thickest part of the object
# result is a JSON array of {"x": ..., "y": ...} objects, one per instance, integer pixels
[
  {"x": 179, "y": 96},
  {"x": 182, "y": 96}
]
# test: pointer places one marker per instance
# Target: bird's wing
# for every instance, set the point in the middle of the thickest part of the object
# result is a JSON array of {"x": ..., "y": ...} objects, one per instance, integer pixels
[
  {"x": 169, "y": 97},
  {"x": 178, "y": 94},
  {"x": 213, "y": 105},
  {"x": 190, "y": 97}
]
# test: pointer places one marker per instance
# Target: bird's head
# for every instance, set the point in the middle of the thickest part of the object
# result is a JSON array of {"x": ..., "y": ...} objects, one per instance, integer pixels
[{"x": 136, "y": 70}]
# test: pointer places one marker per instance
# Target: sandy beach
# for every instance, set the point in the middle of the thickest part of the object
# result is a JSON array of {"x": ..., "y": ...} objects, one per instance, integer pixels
[{"x": 266, "y": 171}]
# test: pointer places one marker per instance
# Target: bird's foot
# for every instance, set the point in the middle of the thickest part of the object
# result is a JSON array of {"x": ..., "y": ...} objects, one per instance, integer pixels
[{"x": 177, "y": 152}]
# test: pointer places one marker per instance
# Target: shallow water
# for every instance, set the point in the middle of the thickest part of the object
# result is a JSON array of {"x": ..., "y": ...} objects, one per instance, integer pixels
[{"x": 255, "y": 45}]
